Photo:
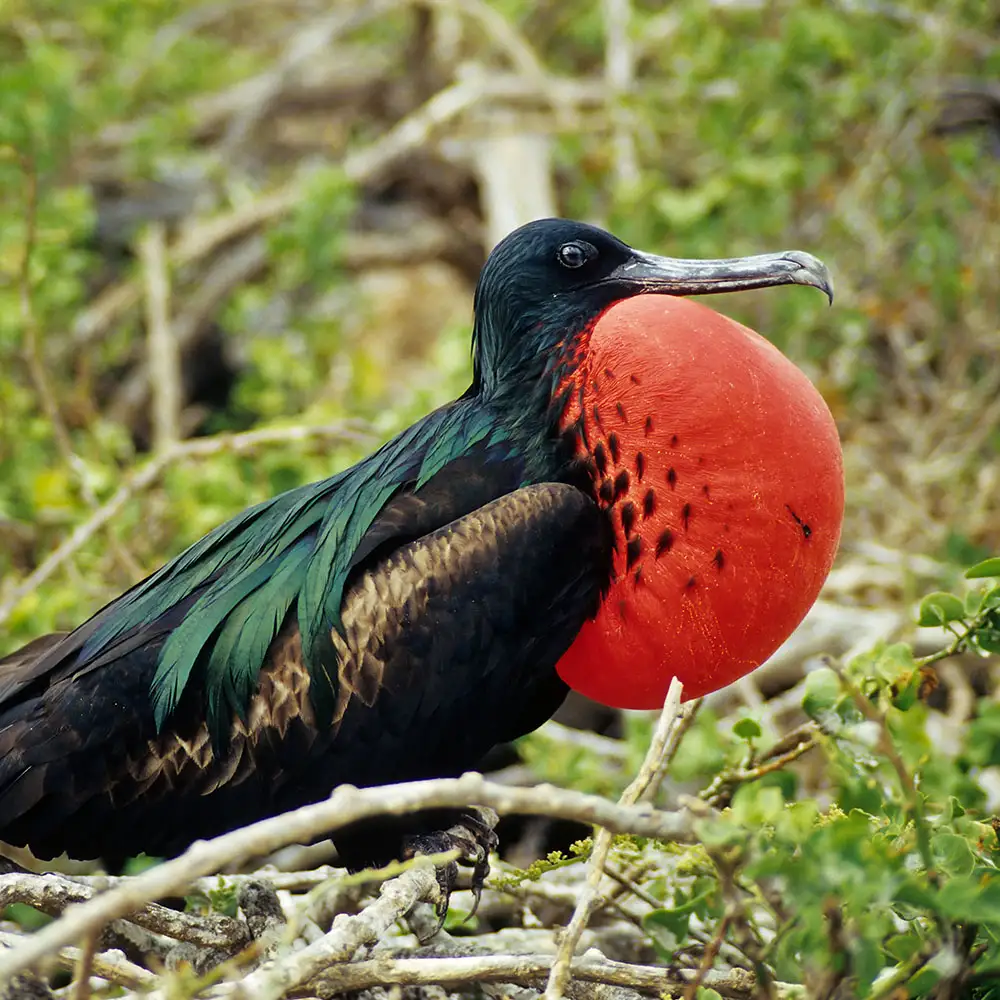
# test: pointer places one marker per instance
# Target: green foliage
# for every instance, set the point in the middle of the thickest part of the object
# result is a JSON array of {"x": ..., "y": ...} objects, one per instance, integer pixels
[
  {"x": 986, "y": 568},
  {"x": 553, "y": 861},
  {"x": 973, "y": 618},
  {"x": 25, "y": 916},
  {"x": 870, "y": 882},
  {"x": 223, "y": 899},
  {"x": 756, "y": 127}
]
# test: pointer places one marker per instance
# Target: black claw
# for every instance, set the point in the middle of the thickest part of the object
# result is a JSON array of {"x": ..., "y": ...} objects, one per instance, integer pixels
[
  {"x": 474, "y": 838},
  {"x": 447, "y": 876},
  {"x": 479, "y": 872}
]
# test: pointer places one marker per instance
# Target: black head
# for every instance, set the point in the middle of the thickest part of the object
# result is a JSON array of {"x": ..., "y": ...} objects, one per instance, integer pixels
[{"x": 550, "y": 279}]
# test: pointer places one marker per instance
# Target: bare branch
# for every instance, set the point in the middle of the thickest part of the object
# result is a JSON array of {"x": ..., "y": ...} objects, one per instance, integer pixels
[
  {"x": 345, "y": 806},
  {"x": 32, "y": 352},
  {"x": 601, "y": 746},
  {"x": 685, "y": 718},
  {"x": 527, "y": 970},
  {"x": 792, "y": 746},
  {"x": 227, "y": 272},
  {"x": 619, "y": 69},
  {"x": 162, "y": 350},
  {"x": 53, "y": 893},
  {"x": 348, "y": 935},
  {"x": 502, "y": 33},
  {"x": 590, "y": 895},
  {"x": 31, "y": 348},
  {"x": 83, "y": 968},
  {"x": 305, "y": 47},
  {"x": 691, "y": 992},
  {"x": 111, "y": 966},
  {"x": 205, "y": 237}
]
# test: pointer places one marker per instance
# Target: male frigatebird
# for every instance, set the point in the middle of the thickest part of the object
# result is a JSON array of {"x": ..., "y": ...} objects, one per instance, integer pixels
[{"x": 633, "y": 487}]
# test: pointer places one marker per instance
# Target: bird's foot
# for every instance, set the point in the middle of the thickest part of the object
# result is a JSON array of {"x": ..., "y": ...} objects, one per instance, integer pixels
[{"x": 474, "y": 838}]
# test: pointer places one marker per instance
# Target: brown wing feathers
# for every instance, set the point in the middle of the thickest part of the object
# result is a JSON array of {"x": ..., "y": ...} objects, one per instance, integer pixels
[{"x": 452, "y": 626}]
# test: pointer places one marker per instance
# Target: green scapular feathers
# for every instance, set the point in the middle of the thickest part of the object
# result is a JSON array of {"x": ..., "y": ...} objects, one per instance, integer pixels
[{"x": 296, "y": 550}]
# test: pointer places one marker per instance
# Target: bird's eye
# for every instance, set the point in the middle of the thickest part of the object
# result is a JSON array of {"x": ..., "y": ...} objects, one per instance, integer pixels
[{"x": 573, "y": 255}]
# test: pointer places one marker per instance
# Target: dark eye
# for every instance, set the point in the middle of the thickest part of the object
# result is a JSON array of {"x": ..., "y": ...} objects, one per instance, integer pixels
[{"x": 573, "y": 255}]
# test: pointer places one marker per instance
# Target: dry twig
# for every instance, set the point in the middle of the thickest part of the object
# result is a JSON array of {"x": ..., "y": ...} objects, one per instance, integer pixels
[
  {"x": 619, "y": 71},
  {"x": 203, "y": 238},
  {"x": 53, "y": 893},
  {"x": 346, "y": 937},
  {"x": 162, "y": 352},
  {"x": 84, "y": 967},
  {"x": 789, "y": 749},
  {"x": 32, "y": 351},
  {"x": 590, "y": 895},
  {"x": 528, "y": 970},
  {"x": 345, "y": 806},
  {"x": 110, "y": 966}
]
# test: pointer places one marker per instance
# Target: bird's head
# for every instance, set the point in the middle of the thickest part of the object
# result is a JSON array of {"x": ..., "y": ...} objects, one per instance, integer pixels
[
  {"x": 717, "y": 462},
  {"x": 551, "y": 279}
]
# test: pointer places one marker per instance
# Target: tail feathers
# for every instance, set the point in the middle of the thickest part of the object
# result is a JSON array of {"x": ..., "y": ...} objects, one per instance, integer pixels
[
  {"x": 35, "y": 649},
  {"x": 20, "y": 668},
  {"x": 64, "y": 653}
]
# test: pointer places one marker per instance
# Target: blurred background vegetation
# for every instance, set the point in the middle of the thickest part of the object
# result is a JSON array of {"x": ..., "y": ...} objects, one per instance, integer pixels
[
  {"x": 238, "y": 244},
  {"x": 220, "y": 217}
]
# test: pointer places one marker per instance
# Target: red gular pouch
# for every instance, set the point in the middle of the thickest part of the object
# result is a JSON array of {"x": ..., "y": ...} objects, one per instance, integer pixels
[{"x": 721, "y": 468}]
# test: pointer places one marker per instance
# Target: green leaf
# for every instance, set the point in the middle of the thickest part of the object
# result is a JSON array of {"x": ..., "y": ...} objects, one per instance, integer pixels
[
  {"x": 822, "y": 692},
  {"x": 974, "y": 603},
  {"x": 952, "y": 853},
  {"x": 754, "y": 805},
  {"x": 747, "y": 729},
  {"x": 668, "y": 927},
  {"x": 225, "y": 899},
  {"x": 867, "y": 962},
  {"x": 953, "y": 809},
  {"x": 903, "y": 946},
  {"x": 924, "y": 980},
  {"x": 27, "y": 917},
  {"x": 971, "y": 900},
  {"x": 895, "y": 663},
  {"x": 989, "y": 641},
  {"x": 458, "y": 919},
  {"x": 940, "y": 608},
  {"x": 988, "y": 567},
  {"x": 663, "y": 933},
  {"x": 139, "y": 864}
]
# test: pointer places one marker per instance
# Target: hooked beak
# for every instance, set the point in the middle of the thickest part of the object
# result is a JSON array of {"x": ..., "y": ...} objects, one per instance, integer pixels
[{"x": 646, "y": 272}]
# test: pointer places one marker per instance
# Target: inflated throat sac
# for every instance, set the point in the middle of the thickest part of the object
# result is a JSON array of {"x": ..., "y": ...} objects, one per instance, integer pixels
[{"x": 722, "y": 470}]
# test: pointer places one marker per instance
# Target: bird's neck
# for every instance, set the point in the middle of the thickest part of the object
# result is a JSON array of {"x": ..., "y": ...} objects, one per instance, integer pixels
[{"x": 532, "y": 406}]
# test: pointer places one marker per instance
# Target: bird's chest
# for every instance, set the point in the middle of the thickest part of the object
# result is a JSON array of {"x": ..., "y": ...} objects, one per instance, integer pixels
[{"x": 723, "y": 501}]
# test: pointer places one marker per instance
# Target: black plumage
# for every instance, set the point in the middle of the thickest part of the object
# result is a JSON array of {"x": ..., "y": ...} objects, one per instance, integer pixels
[
  {"x": 89, "y": 774},
  {"x": 393, "y": 622}
]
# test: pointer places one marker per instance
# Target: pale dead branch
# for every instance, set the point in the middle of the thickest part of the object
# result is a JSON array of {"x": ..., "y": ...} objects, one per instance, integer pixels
[
  {"x": 634, "y": 793},
  {"x": 619, "y": 72},
  {"x": 227, "y": 272},
  {"x": 52, "y": 894},
  {"x": 347, "y": 805},
  {"x": 347, "y": 936},
  {"x": 162, "y": 348},
  {"x": 201, "y": 238},
  {"x": 527, "y": 970},
  {"x": 111, "y": 966}
]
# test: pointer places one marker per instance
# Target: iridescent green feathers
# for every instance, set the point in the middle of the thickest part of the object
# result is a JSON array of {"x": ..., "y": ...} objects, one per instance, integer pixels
[{"x": 294, "y": 552}]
